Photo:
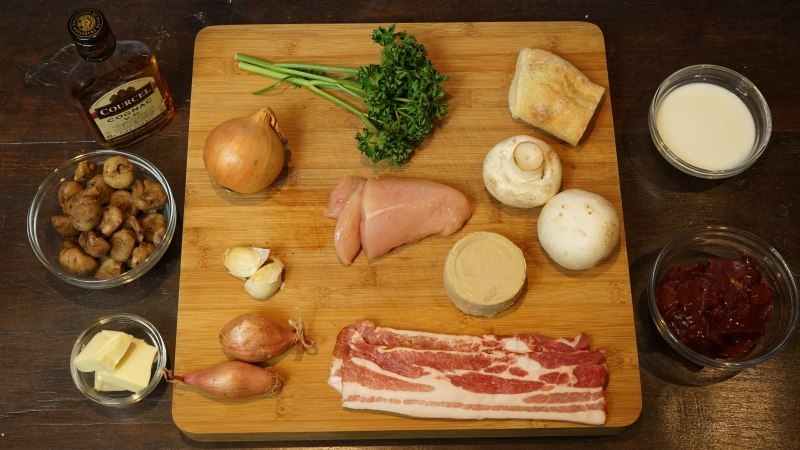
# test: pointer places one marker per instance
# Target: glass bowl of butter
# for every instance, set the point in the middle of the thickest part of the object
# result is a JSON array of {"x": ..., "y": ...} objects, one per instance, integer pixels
[
  {"x": 709, "y": 121},
  {"x": 118, "y": 360}
]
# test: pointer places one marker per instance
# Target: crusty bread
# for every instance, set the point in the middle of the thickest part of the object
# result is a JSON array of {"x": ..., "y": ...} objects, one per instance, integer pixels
[{"x": 552, "y": 95}]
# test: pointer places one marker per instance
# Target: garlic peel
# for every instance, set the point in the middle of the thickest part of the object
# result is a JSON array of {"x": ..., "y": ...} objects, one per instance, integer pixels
[
  {"x": 244, "y": 262},
  {"x": 266, "y": 281}
]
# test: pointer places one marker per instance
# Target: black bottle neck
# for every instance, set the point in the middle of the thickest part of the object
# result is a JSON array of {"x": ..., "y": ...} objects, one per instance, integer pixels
[{"x": 91, "y": 34}]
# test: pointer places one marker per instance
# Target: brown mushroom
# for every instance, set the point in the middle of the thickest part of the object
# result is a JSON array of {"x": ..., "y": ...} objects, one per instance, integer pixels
[
  {"x": 141, "y": 253},
  {"x": 63, "y": 225},
  {"x": 118, "y": 172},
  {"x": 110, "y": 221},
  {"x": 123, "y": 200},
  {"x": 85, "y": 171},
  {"x": 132, "y": 223},
  {"x": 99, "y": 189},
  {"x": 148, "y": 195},
  {"x": 85, "y": 212},
  {"x": 122, "y": 244},
  {"x": 70, "y": 242},
  {"x": 73, "y": 260},
  {"x": 155, "y": 227},
  {"x": 109, "y": 268},
  {"x": 67, "y": 190},
  {"x": 93, "y": 244}
]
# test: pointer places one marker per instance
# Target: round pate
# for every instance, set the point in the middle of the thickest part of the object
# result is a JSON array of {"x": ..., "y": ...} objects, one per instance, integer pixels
[{"x": 484, "y": 273}]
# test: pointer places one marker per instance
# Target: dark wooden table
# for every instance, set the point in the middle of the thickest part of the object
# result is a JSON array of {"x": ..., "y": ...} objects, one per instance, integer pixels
[{"x": 645, "y": 41}]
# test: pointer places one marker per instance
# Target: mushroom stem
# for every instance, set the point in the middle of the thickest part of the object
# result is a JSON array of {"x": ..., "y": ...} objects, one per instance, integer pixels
[{"x": 529, "y": 157}]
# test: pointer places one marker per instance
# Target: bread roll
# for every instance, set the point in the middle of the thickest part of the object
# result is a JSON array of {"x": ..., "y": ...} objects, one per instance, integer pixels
[{"x": 552, "y": 95}]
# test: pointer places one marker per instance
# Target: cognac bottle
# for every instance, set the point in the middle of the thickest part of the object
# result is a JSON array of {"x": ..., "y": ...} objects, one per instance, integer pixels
[{"x": 116, "y": 86}]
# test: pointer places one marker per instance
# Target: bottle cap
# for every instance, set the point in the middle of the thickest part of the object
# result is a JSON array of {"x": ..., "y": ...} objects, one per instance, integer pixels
[{"x": 91, "y": 33}]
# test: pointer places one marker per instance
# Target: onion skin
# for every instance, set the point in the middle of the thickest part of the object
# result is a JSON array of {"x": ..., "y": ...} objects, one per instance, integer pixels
[
  {"x": 245, "y": 154},
  {"x": 232, "y": 379},
  {"x": 254, "y": 337}
]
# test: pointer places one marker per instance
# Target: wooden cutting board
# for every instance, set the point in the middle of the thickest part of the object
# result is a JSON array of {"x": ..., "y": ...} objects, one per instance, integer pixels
[{"x": 403, "y": 289}]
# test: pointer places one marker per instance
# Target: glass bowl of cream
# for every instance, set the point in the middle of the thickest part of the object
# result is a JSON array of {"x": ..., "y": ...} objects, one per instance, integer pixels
[{"x": 709, "y": 121}]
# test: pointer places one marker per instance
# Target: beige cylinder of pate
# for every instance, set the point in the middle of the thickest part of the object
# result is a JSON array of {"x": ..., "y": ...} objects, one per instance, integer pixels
[{"x": 484, "y": 273}]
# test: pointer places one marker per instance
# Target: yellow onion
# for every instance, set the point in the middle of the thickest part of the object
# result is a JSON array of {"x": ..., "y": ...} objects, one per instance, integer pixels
[{"x": 245, "y": 154}]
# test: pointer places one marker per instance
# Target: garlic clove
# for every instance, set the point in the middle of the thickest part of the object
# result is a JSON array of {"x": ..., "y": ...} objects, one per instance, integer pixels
[
  {"x": 243, "y": 262},
  {"x": 266, "y": 281}
]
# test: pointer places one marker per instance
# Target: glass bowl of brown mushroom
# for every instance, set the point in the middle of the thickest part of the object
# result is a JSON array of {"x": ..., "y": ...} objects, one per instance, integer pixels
[{"x": 102, "y": 219}]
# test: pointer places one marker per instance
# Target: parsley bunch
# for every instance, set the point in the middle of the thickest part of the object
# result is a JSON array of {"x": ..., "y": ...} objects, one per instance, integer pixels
[{"x": 403, "y": 95}]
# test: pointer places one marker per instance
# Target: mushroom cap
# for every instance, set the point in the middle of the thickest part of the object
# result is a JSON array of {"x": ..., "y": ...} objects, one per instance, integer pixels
[
  {"x": 512, "y": 185},
  {"x": 578, "y": 229}
]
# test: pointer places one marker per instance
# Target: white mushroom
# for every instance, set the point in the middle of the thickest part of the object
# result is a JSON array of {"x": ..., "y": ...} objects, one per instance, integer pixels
[
  {"x": 522, "y": 171},
  {"x": 578, "y": 229}
]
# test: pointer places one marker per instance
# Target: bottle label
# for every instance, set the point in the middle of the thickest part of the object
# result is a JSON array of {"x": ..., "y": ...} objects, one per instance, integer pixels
[{"x": 128, "y": 109}]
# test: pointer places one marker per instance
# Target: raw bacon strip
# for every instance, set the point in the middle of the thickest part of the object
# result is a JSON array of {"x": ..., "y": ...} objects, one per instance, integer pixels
[
  {"x": 439, "y": 394},
  {"x": 410, "y": 362},
  {"x": 367, "y": 331},
  {"x": 469, "y": 377},
  {"x": 518, "y": 343}
]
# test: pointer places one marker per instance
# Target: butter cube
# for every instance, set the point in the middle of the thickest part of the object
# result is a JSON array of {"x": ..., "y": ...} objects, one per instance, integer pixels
[
  {"x": 133, "y": 370},
  {"x": 101, "y": 386},
  {"x": 103, "y": 351}
]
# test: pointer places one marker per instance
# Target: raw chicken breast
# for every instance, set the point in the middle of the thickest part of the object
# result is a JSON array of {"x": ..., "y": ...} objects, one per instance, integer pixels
[
  {"x": 340, "y": 194},
  {"x": 397, "y": 211},
  {"x": 347, "y": 237}
]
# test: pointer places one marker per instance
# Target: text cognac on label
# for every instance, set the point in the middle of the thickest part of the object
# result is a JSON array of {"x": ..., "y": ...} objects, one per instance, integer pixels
[{"x": 127, "y": 106}]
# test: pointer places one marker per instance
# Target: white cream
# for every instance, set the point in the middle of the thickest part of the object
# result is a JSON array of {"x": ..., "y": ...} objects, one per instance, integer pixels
[{"x": 706, "y": 126}]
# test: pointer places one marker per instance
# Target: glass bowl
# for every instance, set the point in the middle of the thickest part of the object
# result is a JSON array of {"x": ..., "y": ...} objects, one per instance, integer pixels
[
  {"x": 708, "y": 160},
  {"x": 46, "y": 242},
  {"x": 698, "y": 244},
  {"x": 136, "y": 327}
]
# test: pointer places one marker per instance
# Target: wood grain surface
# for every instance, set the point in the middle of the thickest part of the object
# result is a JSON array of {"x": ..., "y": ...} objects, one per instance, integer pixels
[
  {"x": 683, "y": 406},
  {"x": 403, "y": 289}
]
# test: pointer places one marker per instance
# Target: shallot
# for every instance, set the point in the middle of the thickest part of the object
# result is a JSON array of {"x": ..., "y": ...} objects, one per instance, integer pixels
[
  {"x": 254, "y": 337},
  {"x": 231, "y": 379}
]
